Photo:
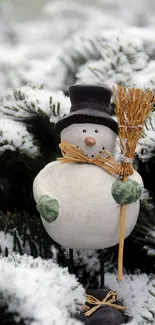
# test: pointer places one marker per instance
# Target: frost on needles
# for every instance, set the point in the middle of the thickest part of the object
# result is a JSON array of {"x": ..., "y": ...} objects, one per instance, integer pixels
[
  {"x": 38, "y": 292},
  {"x": 24, "y": 106}
]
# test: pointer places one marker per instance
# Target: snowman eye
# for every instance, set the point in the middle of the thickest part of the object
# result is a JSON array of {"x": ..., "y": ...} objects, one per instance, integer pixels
[
  {"x": 84, "y": 131},
  {"x": 96, "y": 131}
]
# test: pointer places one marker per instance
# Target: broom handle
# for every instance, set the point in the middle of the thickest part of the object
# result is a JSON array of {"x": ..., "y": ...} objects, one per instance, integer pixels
[{"x": 121, "y": 238}]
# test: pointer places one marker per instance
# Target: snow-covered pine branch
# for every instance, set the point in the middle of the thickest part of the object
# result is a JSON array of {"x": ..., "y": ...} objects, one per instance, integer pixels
[
  {"x": 67, "y": 62},
  {"x": 146, "y": 145},
  {"x": 25, "y": 63},
  {"x": 6, "y": 243},
  {"x": 122, "y": 57},
  {"x": 21, "y": 108},
  {"x": 138, "y": 294},
  {"x": 28, "y": 140},
  {"x": 88, "y": 262},
  {"x": 14, "y": 136},
  {"x": 24, "y": 233},
  {"x": 25, "y": 102},
  {"x": 39, "y": 292},
  {"x": 107, "y": 57}
]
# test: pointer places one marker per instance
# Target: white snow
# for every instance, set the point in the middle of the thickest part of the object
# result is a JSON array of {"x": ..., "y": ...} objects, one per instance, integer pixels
[
  {"x": 34, "y": 101},
  {"x": 138, "y": 294},
  {"x": 40, "y": 290},
  {"x": 6, "y": 241},
  {"x": 89, "y": 258},
  {"x": 23, "y": 103},
  {"x": 46, "y": 294},
  {"x": 14, "y": 136},
  {"x": 45, "y": 50},
  {"x": 146, "y": 144},
  {"x": 122, "y": 57}
]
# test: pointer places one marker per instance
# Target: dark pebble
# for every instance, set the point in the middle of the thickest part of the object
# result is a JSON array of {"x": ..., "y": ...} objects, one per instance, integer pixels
[{"x": 104, "y": 315}]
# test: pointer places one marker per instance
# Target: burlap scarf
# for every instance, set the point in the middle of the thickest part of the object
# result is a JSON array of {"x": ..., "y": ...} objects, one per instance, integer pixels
[{"x": 71, "y": 154}]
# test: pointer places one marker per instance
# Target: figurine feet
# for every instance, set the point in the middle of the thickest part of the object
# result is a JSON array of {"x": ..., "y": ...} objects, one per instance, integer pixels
[
  {"x": 48, "y": 207},
  {"x": 105, "y": 314},
  {"x": 126, "y": 192}
]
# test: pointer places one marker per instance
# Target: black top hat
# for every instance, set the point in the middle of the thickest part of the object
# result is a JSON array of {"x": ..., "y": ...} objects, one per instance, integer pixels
[{"x": 89, "y": 104}]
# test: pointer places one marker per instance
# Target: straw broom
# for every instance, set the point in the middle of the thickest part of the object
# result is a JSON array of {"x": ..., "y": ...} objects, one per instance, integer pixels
[{"x": 132, "y": 108}]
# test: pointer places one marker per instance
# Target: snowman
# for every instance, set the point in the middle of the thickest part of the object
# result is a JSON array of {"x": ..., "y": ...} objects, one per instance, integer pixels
[{"x": 79, "y": 202}]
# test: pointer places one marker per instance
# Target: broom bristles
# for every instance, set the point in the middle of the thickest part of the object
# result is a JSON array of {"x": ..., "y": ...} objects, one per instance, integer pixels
[{"x": 132, "y": 108}]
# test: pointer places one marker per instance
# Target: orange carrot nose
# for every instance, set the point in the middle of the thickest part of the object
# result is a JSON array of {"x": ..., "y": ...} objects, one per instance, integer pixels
[{"x": 90, "y": 141}]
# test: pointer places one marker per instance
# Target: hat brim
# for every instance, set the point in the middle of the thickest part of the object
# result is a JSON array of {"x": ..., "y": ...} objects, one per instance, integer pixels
[{"x": 87, "y": 116}]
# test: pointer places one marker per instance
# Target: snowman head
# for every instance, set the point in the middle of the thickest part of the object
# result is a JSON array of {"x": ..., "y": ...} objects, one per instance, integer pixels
[
  {"x": 90, "y": 138},
  {"x": 89, "y": 125}
]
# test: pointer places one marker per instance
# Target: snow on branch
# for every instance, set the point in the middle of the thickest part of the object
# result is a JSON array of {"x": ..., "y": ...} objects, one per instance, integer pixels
[
  {"x": 121, "y": 57},
  {"x": 39, "y": 291},
  {"x": 82, "y": 23},
  {"x": 6, "y": 242},
  {"x": 146, "y": 146},
  {"x": 27, "y": 101},
  {"x": 67, "y": 62},
  {"x": 15, "y": 137},
  {"x": 138, "y": 294}
]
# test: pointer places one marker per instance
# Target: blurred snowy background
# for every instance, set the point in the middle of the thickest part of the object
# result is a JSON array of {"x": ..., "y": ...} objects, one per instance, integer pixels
[{"x": 59, "y": 42}]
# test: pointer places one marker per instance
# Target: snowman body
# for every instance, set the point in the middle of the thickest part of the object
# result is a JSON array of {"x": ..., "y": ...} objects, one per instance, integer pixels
[{"x": 89, "y": 217}]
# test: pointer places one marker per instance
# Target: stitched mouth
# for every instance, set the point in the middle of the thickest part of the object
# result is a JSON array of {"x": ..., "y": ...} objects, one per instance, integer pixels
[
  {"x": 93, "y": 155},
  {"x": 103, "y": 148}
]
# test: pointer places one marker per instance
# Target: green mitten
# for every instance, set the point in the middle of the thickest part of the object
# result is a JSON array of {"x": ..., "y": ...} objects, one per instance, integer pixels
[
  {"x": 48, "y": 207},
  {"x": 126, "y": 192}
]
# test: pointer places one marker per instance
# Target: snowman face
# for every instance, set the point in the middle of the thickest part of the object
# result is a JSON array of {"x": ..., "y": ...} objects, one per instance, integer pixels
[{"x": 92, "y": 139}]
